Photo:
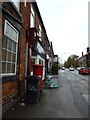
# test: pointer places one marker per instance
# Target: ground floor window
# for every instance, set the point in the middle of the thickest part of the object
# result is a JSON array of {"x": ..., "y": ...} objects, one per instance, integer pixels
[{"x": 9, "y": 49}]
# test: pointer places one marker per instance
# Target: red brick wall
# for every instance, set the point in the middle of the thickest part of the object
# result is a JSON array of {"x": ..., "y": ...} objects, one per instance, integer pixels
[
  {"x": 0, "y": 52},
  {"x": 11, "y": 9},
  {"x": 10, "y": 90},
  {"x": 25, "y": 12},
  {"x": 36, "y": 22},
  {"x": 42, "y": 37}
]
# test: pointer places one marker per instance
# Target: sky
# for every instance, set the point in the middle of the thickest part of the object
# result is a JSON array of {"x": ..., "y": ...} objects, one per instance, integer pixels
[{"x": 66, "y": 24}]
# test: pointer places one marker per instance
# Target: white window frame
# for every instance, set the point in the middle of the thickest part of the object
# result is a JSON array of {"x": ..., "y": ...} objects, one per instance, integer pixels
[
  {"x": 40, "y": 32},
  {"x": 15, "y": 41},
  {"x": 32, "y": 17},
  {"x": 6, "y": 22},
  {"x": 16, "y": 3},
  {"x": 25, "y": 3}
]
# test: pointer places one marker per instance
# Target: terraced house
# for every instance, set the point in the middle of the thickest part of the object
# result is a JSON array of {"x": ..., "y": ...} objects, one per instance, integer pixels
[{"x": 24, "y": 39}]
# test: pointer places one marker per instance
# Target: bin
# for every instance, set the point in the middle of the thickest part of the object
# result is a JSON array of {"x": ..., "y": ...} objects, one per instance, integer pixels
[
  {"x": 38, "y": 70},
  {"x": 33, "y": 89}
]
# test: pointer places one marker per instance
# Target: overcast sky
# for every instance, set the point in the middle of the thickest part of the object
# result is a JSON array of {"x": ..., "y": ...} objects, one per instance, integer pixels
[{"x": 66, "y": 23}]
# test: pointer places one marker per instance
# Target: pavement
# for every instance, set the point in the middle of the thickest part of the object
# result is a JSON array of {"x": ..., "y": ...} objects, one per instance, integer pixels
[{"x": 54, "y": 103}]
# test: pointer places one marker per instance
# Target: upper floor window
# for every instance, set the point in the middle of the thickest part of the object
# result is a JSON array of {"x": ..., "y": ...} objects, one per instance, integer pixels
[
  {"x": 9, "y": 49},
  {"x": 32, "y": 20},
  {"x": 40, "y": 32},
  {"x": 16, "y": 3},
  {"x": 25, "y": 3}
]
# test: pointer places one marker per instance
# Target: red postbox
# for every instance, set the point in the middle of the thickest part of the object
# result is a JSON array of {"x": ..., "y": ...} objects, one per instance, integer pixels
[{"x": 38, "y": 71}]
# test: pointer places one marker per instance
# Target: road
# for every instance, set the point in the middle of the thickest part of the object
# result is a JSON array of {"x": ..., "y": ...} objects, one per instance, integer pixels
[
  {"x": 70, "y": 100},
  {"x": 83, "y": 79}
]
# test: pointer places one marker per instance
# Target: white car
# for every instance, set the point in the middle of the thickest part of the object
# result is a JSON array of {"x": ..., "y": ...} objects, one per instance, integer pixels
[
  {"x": 71, "y": 69},
  {"x": 78, "y": 68},
  {"x": 63, "y": 68}
]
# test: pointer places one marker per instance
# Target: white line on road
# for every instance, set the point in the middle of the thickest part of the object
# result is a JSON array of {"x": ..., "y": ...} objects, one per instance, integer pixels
[
  {"x": 84, "y": 83},
  {"x": 81, "y": 81},
  {"x": 86, "y": 96}
]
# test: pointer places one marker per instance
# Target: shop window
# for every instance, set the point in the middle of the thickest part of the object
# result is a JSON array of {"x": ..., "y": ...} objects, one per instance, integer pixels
[
  {"x": 9, "y": 49},
  {"x": 33, "y": 61},
  {"x": 40, "y": 62}
]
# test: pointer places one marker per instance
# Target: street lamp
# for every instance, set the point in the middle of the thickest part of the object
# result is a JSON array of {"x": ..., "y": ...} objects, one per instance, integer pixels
[{"x": 62, "y": 62}]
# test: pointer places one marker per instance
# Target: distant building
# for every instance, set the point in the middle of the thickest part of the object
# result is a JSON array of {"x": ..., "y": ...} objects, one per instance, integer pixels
[
  {"x": 88, "y": 56},
  {"x": 83, "y": 61}
]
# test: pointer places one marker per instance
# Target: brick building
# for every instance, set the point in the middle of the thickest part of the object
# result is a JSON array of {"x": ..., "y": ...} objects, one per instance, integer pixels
[
  {"x": 41, "y": 46},
  {"x": 23, "y": 40},
  {"x": 88, "y": 57},
  {"x": 36, "y": 36},
  {"x": 83, "y": 61},
  {"x": 11, "y": 26},
  {"x": 49, "y": 55}
]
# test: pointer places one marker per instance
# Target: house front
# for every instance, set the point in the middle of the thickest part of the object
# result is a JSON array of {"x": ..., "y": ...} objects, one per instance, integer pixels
[
  {"x": 9, "y": 78},
  {"x": 36, "y": 35}
]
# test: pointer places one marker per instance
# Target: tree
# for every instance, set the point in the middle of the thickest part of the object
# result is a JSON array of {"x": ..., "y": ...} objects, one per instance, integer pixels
[{"x": 71, "y": 61}]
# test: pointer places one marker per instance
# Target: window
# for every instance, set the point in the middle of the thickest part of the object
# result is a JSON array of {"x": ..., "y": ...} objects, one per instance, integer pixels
[
  {"x": 32, "y": 17},
  {"x": 16, "y": 3},
  {"x": 33, "y": 61},
  {"x": 25, "y": 3},
  {"x": 40, "y": 62},
  {"x": 40, "y": 48},
  {"x": 40, "y": 32},
  {"x": 9, "y": 49}
]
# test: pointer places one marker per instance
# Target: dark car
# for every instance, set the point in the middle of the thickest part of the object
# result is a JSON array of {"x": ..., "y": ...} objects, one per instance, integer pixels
[{"x": 85, "y": 71}]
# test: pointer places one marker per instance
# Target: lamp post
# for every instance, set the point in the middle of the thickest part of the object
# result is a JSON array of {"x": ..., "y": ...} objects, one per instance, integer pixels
[{"x": 62, "y": 62}]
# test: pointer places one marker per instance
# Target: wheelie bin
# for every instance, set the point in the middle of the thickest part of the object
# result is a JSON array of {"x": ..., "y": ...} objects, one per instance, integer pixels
[
  {"x": 32, "y": 89},
  {"x": 38, "y": 70}
]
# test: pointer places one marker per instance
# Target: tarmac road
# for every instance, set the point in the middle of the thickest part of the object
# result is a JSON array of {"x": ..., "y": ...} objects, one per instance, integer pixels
[{"x": 67, "y": 101}]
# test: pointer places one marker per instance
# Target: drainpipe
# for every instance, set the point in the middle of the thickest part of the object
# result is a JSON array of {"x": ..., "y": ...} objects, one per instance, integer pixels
[{"x": 27, "y": 34}]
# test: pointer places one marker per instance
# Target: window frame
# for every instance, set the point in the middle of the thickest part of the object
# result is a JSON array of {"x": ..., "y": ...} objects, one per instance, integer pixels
[
  {"x": 32, "y": 17},
  {"x": 16, "y": 4},
  {"x": 15, "y": 52},
  {"x": 40, "y": 32},
  {"x": 9, "y": 35},
  {"x": 25, "y": 3}
]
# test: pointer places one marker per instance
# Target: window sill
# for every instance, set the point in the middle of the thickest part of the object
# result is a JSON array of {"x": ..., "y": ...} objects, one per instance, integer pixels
[{"x": 9, "y": 78}]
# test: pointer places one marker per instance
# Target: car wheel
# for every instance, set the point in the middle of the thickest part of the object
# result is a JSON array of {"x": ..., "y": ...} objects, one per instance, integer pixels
[{"x": 79, "y": 72}]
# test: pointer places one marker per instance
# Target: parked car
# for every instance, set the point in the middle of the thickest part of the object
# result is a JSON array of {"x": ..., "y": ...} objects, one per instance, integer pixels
[
  {"x": 78, "y": 68},
  {"x": 62, "y": 68},
  {"x": 71, "y": 69},
  {"x": 84, "y": 71},
  {"x": 53, "y": 82}
]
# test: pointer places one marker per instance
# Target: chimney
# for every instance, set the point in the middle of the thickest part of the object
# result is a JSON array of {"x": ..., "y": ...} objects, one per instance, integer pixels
[
  {"x": 88, "y": 49},
  {"x": 82, "y": 53}
]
